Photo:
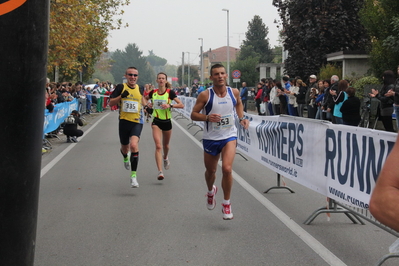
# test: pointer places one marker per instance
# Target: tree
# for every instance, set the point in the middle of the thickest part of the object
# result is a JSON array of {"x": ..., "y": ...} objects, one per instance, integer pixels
[
  {"x": 132, "y": 57},
  {"x": 78, "y": 34},
  {"x": 254, "y": 50},
  {"x": 277, "y": 53},
  {"x": 256, "y": 42},
  {"x": 193, "y": 74},
  {"x": 381, "y": 21},
  {"x": 313, "y": 29},
  {"x": 156, "y": 62},
  {"x": 247, "y": 69}
]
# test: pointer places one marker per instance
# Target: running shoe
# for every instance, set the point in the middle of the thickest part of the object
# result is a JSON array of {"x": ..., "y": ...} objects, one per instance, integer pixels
[
  {"x": 160, "y": 176},
  {"x": 74, "y": 139},
  {"x": 166, "y": 163},
  {"x": 227, "y": 214},
  {"x": 126, "y": 162},
  {"x": 211, "y": 201},
  {"x": 133, "y": 182},
  {"x": 68, "y": 140}
]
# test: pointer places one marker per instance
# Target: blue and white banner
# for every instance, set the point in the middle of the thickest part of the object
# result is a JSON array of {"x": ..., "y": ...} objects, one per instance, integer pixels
[
  {"x": 61, "y": 111},
  {"x": 338, "y": 161}
]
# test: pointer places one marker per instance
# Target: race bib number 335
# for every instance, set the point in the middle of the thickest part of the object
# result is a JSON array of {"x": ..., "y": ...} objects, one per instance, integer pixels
[{"x": 130, "y": 107}]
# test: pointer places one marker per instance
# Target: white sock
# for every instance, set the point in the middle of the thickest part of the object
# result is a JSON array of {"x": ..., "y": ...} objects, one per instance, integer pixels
[{"x": 226, "y": 202}]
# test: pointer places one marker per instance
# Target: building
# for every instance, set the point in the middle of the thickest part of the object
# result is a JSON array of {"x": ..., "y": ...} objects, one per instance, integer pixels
[
  {"x": 218, "y": 55},
  {"x": 353, "y": 62},
  {"x": 270, "y": 70}
]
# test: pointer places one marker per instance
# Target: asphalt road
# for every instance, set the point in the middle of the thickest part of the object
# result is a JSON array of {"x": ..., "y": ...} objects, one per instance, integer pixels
[{"x": 89, "y": 215}]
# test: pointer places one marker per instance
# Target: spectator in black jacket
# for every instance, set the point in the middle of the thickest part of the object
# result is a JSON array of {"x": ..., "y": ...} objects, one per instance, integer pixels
[
  {"x": 350, "y": 108},
  {"x": 71, "y": 127},
  {"x": 329, "y": 103},
  {"x": 386, "y": 99}
]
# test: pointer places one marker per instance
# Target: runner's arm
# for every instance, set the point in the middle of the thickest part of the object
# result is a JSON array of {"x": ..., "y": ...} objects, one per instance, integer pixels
[
  {"x": 115, "y": 97},
  {"x": 384, "y": 202},
  {"x": 196, "y": 114}
]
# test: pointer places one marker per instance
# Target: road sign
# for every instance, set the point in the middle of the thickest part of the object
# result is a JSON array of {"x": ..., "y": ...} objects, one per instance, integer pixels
[
  {"x": 236, "y": 74},
  {"x": 195, "y": 80},
  {"x": 236, "y": 80}
]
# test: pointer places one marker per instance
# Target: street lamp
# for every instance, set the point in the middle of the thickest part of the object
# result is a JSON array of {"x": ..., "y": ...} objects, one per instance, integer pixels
[
  {"x": 202, "y": 61},
  {"x": 228, "y": 46}
]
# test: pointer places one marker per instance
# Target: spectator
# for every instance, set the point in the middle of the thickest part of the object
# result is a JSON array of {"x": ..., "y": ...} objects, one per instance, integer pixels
[
  {"x": 187, "y": 91},
  {"x": 319, "y": 100},
  {"x": 58, "y": 91},
  {"x": 309, "y": 96},
  {"x": 274, "y": 99},
  {"x": 89, "y": 100},
  {"x": 258, "y": 97},
  {"x": 97, "y": 92},
  {"x": 292, "y": 94},
  {"x": 269, "y": 86},
  {"x": 81, "y": 95},
  {"x": 339, "y": 96},
  {"x": 48, "y": 104},
  {"x": 67, "y": 97},
  {"x": 287, "y": 87},
  {"x": 71, "y": 127},
  {"x": 323, "y": 104},
  {"x": 301, "y": 96},
  {"x": 350, "y": 109},
  {"x": 244, "y": 95},
  {"x": 386, "y": 98},
  {"x": 283, "y": 99},
  {"x": 329, "y": 107}
]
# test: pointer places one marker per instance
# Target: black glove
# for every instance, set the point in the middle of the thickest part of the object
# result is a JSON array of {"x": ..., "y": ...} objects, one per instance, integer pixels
[
  {"x": 125, "y": 94},
  {"x": 148, "y": 109}
]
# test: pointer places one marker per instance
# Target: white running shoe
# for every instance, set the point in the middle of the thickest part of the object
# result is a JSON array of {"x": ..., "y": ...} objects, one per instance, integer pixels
[
  {"x": 160, "y": 176},
  {"x": 227, "y": 214},
  {"x": 133, "y": 182},
  {"x": 166, "y": 163},
  {"x": 211, "y": 201}
]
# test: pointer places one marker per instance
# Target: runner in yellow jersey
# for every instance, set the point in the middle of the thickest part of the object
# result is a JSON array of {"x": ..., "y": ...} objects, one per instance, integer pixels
[
  {"x": 161, "y": 102},
  {"x": 131, "y": 117}
]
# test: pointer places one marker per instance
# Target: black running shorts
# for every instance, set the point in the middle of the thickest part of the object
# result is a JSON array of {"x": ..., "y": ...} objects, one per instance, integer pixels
[
  {"x": 164, "y": 125},
  {"x": 128, "y": 129}
]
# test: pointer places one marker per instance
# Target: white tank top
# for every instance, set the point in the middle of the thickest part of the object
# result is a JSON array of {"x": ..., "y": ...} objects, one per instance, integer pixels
[{"x": 225, "y": 106}]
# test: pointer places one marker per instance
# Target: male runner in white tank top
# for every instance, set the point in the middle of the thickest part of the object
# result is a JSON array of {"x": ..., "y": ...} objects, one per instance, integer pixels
[{"x": 219, "y": 106}]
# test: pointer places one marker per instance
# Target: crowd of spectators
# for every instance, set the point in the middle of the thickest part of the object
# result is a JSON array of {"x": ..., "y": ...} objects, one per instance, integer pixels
[
  {"x": 93, "y": 98},
  {"x": 333, "y": 99},
  {"x": 86, "y": 96}
]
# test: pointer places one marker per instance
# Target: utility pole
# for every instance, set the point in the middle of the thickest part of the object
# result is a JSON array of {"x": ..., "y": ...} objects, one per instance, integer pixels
[{"x": 182, "y": 70}]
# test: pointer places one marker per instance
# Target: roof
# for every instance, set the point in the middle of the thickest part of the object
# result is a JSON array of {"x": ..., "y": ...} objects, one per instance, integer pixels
[{"x": 219, "y": 55}]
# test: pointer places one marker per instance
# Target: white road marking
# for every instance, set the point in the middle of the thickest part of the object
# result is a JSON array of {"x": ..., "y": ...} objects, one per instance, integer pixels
[{"x": 64, "y": 152}]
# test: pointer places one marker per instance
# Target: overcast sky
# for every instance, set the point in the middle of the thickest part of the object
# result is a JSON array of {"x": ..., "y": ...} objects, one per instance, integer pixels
[{"x": 170, "y": 27}]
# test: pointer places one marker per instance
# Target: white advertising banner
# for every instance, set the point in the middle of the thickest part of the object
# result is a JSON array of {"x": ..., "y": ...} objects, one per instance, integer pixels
[{"x": 340, "y": 162}]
